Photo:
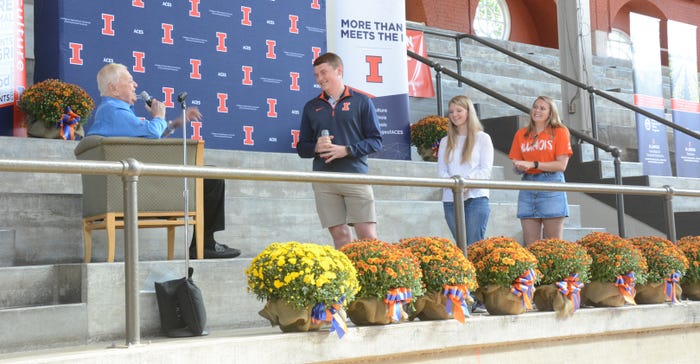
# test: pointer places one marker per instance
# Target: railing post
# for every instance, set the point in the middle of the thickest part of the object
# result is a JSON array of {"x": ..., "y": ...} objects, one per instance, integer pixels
[
  {"x": 458, "y": 50},
  {"x": 131, "y": 252},
  {"x": 670, "y": 217},
  {"x": 619, "y": 198},
  {"x": 460, "y": 224},
  {"x": 594, "y": 122},
  {"x": 438, "y": 87}
]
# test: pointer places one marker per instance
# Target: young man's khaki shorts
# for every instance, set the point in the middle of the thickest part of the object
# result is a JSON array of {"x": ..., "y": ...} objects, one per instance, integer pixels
[{"x": 339, "y": 204}]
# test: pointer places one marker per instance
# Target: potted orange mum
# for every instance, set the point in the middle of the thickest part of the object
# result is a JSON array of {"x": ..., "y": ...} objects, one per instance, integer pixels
[
  {"x": 563, "y": 269},
  {"x": 389, "y": 277},
  {"x": 617, "y": 267},
  {"x": 56, "y": 109},
  {"x": 506, "y": 275},
  {"x": 666, "y": 265},
  {"x": 690, "y": 246},
  {"x": 448, "y": 277}
]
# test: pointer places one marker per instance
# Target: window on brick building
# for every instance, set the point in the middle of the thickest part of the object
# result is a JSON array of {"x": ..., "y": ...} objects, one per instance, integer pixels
[
  {"x": 619, "y": 45},
  {"x": 492, "y": 19}
]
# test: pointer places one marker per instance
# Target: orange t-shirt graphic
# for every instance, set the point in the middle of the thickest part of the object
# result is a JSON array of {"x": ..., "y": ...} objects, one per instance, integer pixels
[{"x": 542, "y": 147}]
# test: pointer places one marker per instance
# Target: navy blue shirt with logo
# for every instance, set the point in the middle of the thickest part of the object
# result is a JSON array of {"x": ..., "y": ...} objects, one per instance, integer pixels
[{"x": 352, "y": 121}]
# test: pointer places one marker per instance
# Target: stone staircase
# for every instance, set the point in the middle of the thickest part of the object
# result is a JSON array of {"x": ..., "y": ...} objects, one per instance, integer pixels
[
  {"x": 616, "y": 125},
  {"x": 51, "y": 299},
  {"x": 521, "y": 83},
  {"x": 48, "y": 286}
]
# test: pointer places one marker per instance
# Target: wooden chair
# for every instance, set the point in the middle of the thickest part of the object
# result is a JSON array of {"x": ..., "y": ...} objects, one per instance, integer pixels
[{"x": 160, "y": 199}]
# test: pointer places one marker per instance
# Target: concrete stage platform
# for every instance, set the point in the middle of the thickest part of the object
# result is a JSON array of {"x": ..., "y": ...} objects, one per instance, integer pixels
[{"x": 662, "y": 333}]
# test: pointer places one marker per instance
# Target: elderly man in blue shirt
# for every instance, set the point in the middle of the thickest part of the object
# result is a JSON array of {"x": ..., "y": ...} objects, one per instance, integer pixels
[{"x": 115, "y": 117}]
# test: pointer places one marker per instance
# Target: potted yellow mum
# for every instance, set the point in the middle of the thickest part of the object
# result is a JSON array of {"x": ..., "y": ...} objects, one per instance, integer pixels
[
  {"x": 506, "y": 275},
  {"x": 389, "y": 277},
  {"x": 448, "y": 278},
  {"x": 690, "y": 246},
  {"x": 304, "y": 285}
]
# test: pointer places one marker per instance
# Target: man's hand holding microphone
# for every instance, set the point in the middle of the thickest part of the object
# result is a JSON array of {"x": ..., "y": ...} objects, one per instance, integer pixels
[
  {"x": 329, "y": 151},
  {"x": 157, "y": 109},
  {"x": 153, "y": 106}
]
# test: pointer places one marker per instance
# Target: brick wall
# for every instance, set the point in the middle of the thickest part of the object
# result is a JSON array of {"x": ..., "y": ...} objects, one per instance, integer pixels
[{"x": 533, "y": 22}]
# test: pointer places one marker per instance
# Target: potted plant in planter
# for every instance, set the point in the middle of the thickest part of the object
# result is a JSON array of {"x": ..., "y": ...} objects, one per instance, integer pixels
[
  {"x": 426, "y": 134},
  {"x": 56, "y": 109},
  {"x": 617, "y": 267},
  {"x": 448, "y": 278},
  {"x": 389, "y": 277},
  {"x": 304, "y": 285},
  {"x": 506, "y": 275},
  {"x": 666, "y": 265},
  {"x": 690, "y": 246},
  {"x": 563, "y": 269}
]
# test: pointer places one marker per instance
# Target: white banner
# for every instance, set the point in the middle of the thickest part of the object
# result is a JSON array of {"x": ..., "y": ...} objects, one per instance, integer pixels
[
  {"x": 652, "y": 139},
  {"x": 370, "y": 37},
  {"x": 12, "y": 67},
  {"x": 685, "y": 105}
]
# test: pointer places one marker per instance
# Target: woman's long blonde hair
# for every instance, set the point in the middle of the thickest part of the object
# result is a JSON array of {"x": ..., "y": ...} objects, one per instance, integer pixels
[
  {"x": 554, "y": 120},
  {"x": 473, "y": 128}
]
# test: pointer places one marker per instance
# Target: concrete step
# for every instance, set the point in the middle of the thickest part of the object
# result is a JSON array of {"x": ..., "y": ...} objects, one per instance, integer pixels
[
  {"x": 40, "y": 285},
  {"x": 48, "y": 227},
  {"x": 258, "y": 213},
  {"x": 42, "y": 327},
  {"x": 299, "y": 222},
  {"x": 100, "y": 315},
  {"x": 680, "y": 203},
  {"x": 222, "y": 285}
]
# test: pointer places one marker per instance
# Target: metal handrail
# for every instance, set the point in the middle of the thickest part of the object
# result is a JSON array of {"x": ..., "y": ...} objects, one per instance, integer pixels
[
  {"x": 130, "y": 170},
  {"x": 588, "y": 88}
]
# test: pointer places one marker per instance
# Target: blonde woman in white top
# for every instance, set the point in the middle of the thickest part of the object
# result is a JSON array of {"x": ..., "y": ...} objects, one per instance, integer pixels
[{"x": 466, "y": 151}]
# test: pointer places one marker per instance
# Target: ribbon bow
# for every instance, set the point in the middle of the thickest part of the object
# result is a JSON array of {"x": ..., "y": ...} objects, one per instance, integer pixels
[
  {"x": 625, "y": 283},
  {"x": 671, "y": 286},
  {"x": 319, "y": 314},
  {"x": 395, "y": 298},
  {"x": 68, "y": 123},
  {"x": 570, "y": 287},
  {"x": 456, "y": 303},
  {"x": 524, "y": 287},
  {"x": 435, "y": 147}
]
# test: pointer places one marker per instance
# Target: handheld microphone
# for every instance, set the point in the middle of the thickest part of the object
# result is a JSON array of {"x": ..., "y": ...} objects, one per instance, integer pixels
[
  {"x": 181, "y": 96},
  {"x": 148, "y": 99},
  {"x": 325, "y": 133}
]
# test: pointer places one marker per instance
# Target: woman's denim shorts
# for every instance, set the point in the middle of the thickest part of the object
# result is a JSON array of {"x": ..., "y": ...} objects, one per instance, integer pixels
[{"x": 543, "y": 204}]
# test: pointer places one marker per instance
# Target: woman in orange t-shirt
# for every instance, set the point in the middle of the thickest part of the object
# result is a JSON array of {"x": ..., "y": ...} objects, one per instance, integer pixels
[{"x": 540, "y": 152}]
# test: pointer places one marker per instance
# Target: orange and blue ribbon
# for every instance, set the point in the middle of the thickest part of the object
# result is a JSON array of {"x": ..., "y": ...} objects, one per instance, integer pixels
[
  {"x": 524, "y": 287},
  {"x": 625, "y": 283},
  {"x": 456, "y": 303},
  {"x": 435, "y": 147},
  {"x": 319, "y": 314},
  {"x": 395, "y": 298},
  {"x": 571, "y": 287},
  {"x": 671, "y": 281},
  {"x": 68, "y": 123}
]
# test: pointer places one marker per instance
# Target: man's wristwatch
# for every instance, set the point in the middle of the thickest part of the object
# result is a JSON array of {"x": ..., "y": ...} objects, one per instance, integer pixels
[
  {"x": 537, "y": 164},
  {"x": 348, "y": 149}
]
